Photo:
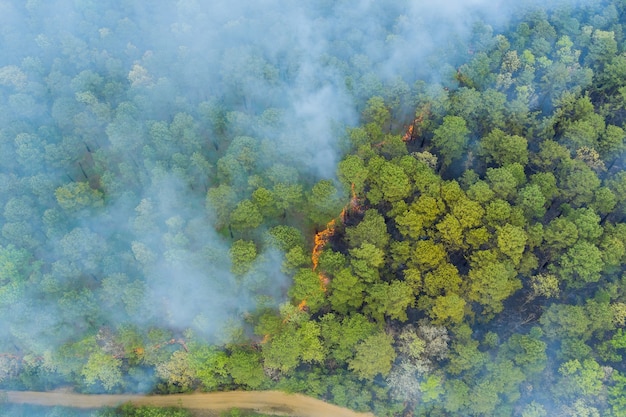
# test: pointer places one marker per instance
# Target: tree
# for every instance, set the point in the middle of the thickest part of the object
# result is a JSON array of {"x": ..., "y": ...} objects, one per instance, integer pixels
[
  {"x": 578, "y": 183},
  {"x": 445, "y": 279},
  {"x": 366, "y": 262},
  {"x": 377, "y": 112},
  {"x": 374, "y": 356},
  {"x": 410, "y": 224},
  {"x": 616, "y": 393},
  {"x": 177, "y": 371},
  {"x": 448, "y": 308},
  {"x": 346, "y": 292},
  {"x": 130, "y": 410},
  {"x": 491, "y": 283},
  {"x": 469, "y": 213},
  {"x": 389, "y": 300},
  {"x": 211, "y": 366},
  {"x": 352, "y": 172},
  {"x": 119, "y": 293},
  {"x": 503, "y": 181},
  {"x": 451, "y": 138},
  {"x": 295, "y": 342},
  {"x": 403, "y": 382},
  {"x": 451, "y": 232},
  {"x": 309, "y": 335},
  {"x": 546, "y": 181},
  {"x": 498, "y": 212},
  {"x": 285, "y": 237},
  {"x": 245, "y": 216},
  {"x": 527, "y": 351},
  {"x": 587, "y": 222},
  {"x": 561, "y": 233},
  {"x": 220, "y": 202},
  {"x": 9, "y": 367},
  {"x": 457, "y": 395},
  {"x": 562, "y": 320},
  {"x": 265, "y": 201},
  {"x": 242, "y": 255},
  {"x": 282, "y": 352},
  {"x": 428, "y": 255},
  {"x": 466, "y": 358},
  {"x": 480, "y": 191},
  {"x": 580, "y": 265},
  {"x": 512, "y": 242},
  {"x": 603, "y": 47},
  {"x": 502, "y": 149},
  {"x": 307, "y": 286},
  {"x": 613, "y": 251},
  {"x": 534, "y": 409},
  {"x": 342, "y": 337},
  {"x": 580, "y": 378},
  {"x": 545, "y": 285},
  {"x": 387, "y": 181},
  {"x": 77, "y": 196},
  {"x": 551, "y": 157},
  {"x": 604, "y": 201},
  {"x": 245, "y": 368},
  {"x": 104, "y": 369},
  {"x": 532, "y": 201},
  {"x": 372, "y": 229},
  {"x": 287, "y": 196},
  {"x": 15, "y": 265},
  {"x": 84, "y": 247},
  {"x": 612, "y": 142},
  {"x": 324, "y": 202}
]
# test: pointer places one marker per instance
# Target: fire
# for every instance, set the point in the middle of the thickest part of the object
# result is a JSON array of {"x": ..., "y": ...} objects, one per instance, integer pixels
[
  {"x": 354, "y": 201},
  {"x": 343, "y": 215},
  {"x": 324, "y": 281},
  {"x": 408, "y": 136},
  {"x": 321, "y": 239},
  {"x": 415, "y": 129},
  {"x": 353, "y": 207}
]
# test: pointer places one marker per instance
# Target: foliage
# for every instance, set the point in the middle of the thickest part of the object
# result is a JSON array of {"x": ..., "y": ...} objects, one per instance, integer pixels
[
  {"x": 171, "y": 218},
  {"x": 129, "y": 410}
]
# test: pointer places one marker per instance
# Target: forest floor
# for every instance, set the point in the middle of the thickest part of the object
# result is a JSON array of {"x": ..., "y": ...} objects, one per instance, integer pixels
[{"x": 266, "y": 402}]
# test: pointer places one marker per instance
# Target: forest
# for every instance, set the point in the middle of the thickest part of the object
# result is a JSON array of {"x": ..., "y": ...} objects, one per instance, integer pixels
[{"x": 397, "y": 208}]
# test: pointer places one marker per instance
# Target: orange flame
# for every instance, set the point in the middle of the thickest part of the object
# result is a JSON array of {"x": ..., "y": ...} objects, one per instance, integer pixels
[
  {"x": 343, "y": 215},
  {"x": 353, "y": 207},
  {"x": 415, "y": 129},
  {"x": 408, "y": 136},
  {"x": 321, "y": 239}
]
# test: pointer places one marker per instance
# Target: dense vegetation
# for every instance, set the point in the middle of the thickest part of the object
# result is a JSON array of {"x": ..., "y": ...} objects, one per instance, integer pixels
[
  {"x": 128, "y": 410},
  {"x": 167, "y": 230}
]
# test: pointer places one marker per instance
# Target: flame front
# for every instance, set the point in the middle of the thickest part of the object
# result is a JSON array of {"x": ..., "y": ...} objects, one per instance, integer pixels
[
  {"x": 321, "y": 239},
  {"x": 415, "y": 129},
  {"x": 408, "y": 136}
]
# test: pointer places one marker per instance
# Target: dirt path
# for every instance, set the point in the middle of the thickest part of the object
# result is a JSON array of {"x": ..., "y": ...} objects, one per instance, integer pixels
[{"x": 268, "y": 402}]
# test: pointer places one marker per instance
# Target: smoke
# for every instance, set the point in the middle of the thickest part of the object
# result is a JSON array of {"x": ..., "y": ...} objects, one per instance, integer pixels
[{"x": 121, "y": 94}]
